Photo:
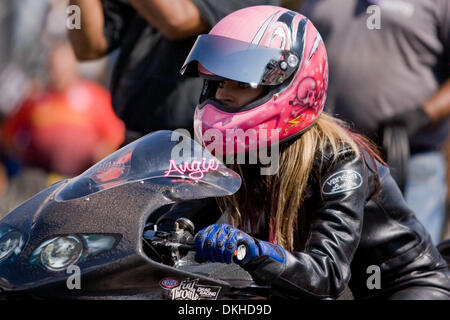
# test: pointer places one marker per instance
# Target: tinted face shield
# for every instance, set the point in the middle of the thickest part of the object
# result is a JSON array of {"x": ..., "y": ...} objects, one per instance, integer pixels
[
  {"x": 240, "y": 61},
  {"x": 209, "y": 92}
]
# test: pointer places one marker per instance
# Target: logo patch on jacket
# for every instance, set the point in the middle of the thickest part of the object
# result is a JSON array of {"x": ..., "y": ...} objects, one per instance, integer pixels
[{"x": 342, "y": 181}]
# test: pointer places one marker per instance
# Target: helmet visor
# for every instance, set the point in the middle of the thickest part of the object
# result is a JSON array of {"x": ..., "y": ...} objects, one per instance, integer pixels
[{"x": 240, "y": 61}]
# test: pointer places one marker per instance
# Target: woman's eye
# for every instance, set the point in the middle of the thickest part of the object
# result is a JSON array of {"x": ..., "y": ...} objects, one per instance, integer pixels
[{"x": 243, "y": 85}]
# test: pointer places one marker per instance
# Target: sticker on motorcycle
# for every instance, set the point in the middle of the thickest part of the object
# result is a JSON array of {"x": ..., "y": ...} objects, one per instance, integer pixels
[
  {"x": 190, "y": 290},
  {"x": 169, "y": 283},
  {"x": 342, "y": 181}
]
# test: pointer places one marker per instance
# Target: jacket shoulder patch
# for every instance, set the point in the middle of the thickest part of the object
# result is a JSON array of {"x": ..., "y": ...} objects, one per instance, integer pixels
[{"x": 342, "y": 181}]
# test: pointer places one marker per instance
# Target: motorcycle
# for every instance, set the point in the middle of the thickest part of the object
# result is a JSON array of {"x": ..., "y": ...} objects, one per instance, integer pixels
[{"x": 95, "y": 236}]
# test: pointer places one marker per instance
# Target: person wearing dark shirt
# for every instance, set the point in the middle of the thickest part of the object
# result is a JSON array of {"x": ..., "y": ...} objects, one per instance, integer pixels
[
  {"x": 154, "y": 37},
  {"x": 389, "y": 76}
]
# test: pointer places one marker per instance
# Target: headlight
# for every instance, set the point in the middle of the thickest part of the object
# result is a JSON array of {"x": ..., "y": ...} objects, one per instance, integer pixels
[
  {"x": 61, "y": 252},
  {"x": 58, "y": 253},
  {"x": 9, "y": 243}
]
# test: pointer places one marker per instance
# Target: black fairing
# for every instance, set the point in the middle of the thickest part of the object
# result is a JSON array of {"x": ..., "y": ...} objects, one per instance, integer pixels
[{"x": 120, "y": 212}]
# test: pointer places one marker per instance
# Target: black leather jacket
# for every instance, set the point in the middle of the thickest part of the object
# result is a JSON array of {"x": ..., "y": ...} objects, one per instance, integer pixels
[{"x": 359, "y": 225}]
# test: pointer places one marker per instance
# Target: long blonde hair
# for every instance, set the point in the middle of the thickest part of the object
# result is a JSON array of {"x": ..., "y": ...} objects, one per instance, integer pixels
[{"x": 280, "y": 196}]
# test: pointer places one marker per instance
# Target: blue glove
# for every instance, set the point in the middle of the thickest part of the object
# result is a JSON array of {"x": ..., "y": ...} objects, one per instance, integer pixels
[{"x": 224, "y": 243}]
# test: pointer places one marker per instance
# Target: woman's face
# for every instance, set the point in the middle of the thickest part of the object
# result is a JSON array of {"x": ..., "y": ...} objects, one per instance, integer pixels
[{"x": 236, "y": 94}]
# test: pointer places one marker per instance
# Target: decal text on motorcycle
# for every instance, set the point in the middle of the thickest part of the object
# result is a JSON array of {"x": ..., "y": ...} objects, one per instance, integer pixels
[
  {"x": 342, "y": 181},
  {"x": 195, "y": 169},
  {"x": 190, "y": 290}
]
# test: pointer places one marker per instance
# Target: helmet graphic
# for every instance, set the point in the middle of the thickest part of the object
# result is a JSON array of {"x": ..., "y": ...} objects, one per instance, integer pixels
[{"x": 261, "y": 45}]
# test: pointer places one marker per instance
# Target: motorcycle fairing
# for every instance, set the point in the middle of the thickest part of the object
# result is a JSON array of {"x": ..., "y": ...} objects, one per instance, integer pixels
[
  {"x": 161, "y": 154},
  {"x": 118, "y": 203}
]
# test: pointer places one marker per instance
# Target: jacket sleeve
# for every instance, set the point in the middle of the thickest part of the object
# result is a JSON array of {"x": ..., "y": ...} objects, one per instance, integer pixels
[
  {"x": 322, "y": 269},
  {"x": 213, "y": 11},
  {"x": 117, "y": 16},
  {"x": 443, "y": 25}
]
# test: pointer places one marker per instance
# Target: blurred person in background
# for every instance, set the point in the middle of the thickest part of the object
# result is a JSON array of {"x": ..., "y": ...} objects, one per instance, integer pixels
[
  {"x": 28, "y": 32},
  {"x": 291, "y": 4},
  {"x": 390, "y": 78},
  {"x": 67, "y": 128},
  {"x": 154, "y": 37},
  {"x": 20, "y": 49}
]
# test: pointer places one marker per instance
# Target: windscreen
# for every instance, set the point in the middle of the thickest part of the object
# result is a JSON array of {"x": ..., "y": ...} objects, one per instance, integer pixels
[{"x": 168, "y": 154}]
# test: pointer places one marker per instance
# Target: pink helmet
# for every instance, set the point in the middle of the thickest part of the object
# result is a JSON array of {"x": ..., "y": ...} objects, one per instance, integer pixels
[{"x": 261, "y": 45}]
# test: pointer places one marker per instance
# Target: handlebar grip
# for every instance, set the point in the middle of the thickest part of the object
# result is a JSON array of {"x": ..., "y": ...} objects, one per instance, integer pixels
[{"x": 240, "y": 253}]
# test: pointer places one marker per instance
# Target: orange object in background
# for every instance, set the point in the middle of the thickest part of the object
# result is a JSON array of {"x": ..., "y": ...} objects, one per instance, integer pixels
[
  {"x": 65, "y": 131},
  {"x": 68, "y": 127}
]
